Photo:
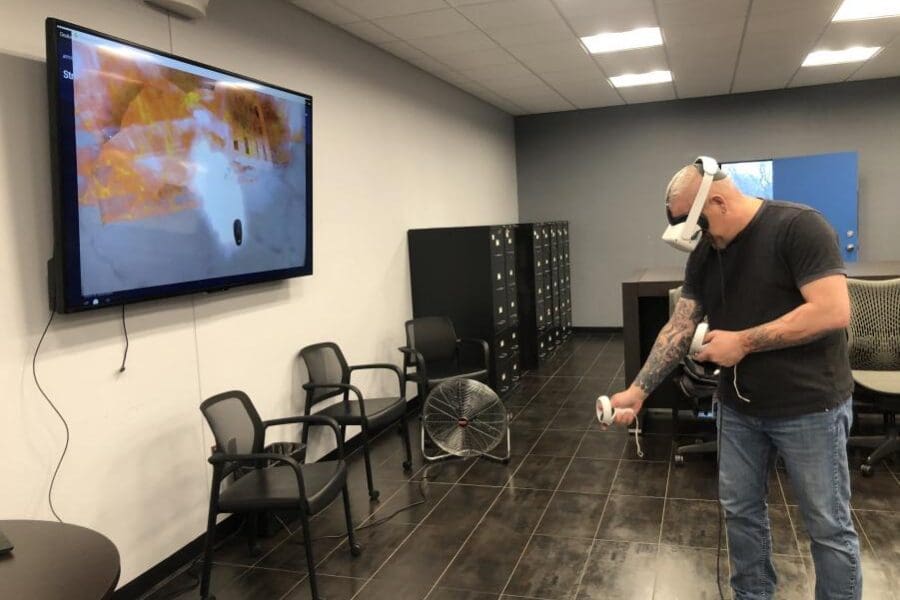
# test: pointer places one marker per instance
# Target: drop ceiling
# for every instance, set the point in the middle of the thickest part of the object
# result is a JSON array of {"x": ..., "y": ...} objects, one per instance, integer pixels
[{"x": 525, "y": 56}]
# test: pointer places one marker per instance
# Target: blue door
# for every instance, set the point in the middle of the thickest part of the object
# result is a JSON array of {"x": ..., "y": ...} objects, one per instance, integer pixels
[{"x": 828, "y": 183}]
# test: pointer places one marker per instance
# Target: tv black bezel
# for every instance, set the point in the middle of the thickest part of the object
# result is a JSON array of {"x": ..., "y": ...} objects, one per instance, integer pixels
[{"x": 64, "y": 268}]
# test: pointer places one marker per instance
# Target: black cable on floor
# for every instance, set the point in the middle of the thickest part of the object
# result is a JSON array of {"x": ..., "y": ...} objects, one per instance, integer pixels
[{"x": 56, "y": 410}]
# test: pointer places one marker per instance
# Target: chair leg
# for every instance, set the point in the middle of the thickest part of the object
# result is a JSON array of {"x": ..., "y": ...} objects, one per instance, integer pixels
[
  {"x": 208, "y": 546},
  {"x": 310, "y": 560},
  {"x": 373, "y": 493},
  {"x": 252, "y": 524},
  {"x": 404, "y": 432},
  {"x": 355, "y": 548}
]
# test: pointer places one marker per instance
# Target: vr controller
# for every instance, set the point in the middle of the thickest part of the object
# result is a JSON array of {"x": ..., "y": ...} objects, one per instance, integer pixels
[
  {"x": 606, "y": 414},
  {"x": 699, "y": 335}
]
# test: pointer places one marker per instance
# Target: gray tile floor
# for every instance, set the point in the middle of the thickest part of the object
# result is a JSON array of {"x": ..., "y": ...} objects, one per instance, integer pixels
[{"x": 575, "y": 515}]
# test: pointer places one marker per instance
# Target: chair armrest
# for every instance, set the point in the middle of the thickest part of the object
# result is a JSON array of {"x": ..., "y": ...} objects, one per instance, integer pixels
[
  {"x": 218, "y": 459},
  {"x": 338, "y": 386},
  {"x": 386, "y": 366},
  {"x": 313, "y": 420},
  {"x": 418, "y": 361},
  {"x": 484, "y": 347}
]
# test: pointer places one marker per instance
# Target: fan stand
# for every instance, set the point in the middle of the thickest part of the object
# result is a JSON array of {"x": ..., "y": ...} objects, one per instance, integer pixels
[{"x": 436, "y": 457}]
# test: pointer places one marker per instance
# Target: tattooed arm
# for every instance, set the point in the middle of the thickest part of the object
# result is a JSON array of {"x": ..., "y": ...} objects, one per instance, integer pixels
[
  {"x": 671, "y": 345},
  {"x": 826, "y": 308}
]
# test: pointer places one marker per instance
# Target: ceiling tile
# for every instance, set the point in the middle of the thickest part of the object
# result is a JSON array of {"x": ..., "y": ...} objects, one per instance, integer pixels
[
  {"x": 328, "y": 10},
  {"x": 450, "y": 44},
  {"x": 589, "y": 93},
  {"x": 769, "y": 59},
  {"x": 512, "y": 74},
  {"x": 778, "y": 15},
  {"x": 591, "y": 18},
  {"x": 553, "y": 56},
  {"x": 376, "y": 9},
  {"x": 425, "y": 24},
  {"x": 369, "y": 32},
  {"x": 648, "y": 93},
  {"x": 699, "y": 12},
  {"x": 479, "y": 58},
  {"x": 571, "y": 76},
  {"x": 727, "y": 31},
  {"x": 539, "y": 99},
  {"x": 507, "y": 13},
  {"x": 884, "y": 64},
  {"x": 641, "y": 60},
  {"x": 533, "y": 33}
]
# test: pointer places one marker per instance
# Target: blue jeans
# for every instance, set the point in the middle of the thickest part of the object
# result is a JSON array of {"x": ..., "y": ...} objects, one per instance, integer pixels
[{"x": 814, "y": 449}]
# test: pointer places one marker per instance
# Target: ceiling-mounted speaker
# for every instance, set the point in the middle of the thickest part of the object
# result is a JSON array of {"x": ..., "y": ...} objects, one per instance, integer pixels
[{"x": 189, "y": 9}]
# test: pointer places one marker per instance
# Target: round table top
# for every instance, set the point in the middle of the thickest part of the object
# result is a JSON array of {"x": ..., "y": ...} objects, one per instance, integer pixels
[{"x": 55, "y": 561}]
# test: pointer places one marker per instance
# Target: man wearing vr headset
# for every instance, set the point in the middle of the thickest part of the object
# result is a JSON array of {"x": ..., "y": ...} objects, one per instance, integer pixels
[{"x": 770, "y": 278}]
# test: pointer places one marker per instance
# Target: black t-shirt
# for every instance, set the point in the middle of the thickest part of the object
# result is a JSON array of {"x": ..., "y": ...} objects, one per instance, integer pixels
[{"x": 757, "y": 279}]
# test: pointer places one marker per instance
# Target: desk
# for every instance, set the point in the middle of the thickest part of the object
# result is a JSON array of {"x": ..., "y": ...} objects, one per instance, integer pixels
[
  {"x": 645, "y": 309},
  {"x": 57, "y": 561}
]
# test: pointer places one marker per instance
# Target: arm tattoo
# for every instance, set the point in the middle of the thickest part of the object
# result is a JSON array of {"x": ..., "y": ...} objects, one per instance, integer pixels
[
  {"x": 671, "y": 345},
  {"x": 763, "y": 338}
]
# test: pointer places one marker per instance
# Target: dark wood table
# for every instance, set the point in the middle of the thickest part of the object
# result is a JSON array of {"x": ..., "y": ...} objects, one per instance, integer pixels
[
  {"x": 645, "y": 309},
  {"x": 57, "y": 561}
]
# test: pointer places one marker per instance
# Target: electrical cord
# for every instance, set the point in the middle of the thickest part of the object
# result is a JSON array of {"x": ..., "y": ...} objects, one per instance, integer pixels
[
  {"x": 56, "y": 410},
  {"x": 422, "y": 500},
  {"x": 125, "y": 331}
]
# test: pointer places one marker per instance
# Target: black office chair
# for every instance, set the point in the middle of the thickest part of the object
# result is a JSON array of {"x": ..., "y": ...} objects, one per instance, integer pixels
[
  {"x": 698, "y": 383},
  {"x": 287, "y": 485},
  {"x": 329, "y": 377},
  {"x": 874, "y": 344},
  {"x": 436, "y": 353}
]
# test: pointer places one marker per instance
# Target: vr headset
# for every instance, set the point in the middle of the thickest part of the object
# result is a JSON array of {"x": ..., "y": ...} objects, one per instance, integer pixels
[{"x": 684, "y": 233}]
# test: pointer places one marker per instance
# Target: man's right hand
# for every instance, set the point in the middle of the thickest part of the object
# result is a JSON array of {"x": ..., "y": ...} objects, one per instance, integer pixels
[{"x": 633, "y": 399}]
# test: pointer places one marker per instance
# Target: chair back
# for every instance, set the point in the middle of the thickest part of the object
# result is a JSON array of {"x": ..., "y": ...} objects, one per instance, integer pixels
[
  {"x": 674, "y": 297},
  {"x": 325, "y": 364},
  {"x": 874, "y": 332},
  {"x": 235, "y": 423},
  {"x": 433, "y": 337}
]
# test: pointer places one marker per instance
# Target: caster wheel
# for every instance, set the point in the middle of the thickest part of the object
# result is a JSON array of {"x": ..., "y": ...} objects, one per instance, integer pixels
[
  {"x": 679, "y": 460},
  {"x": 407, "y": 466},
  {"x": 373, "y": 495},
  {"x": 867, "y": 470},
  {"x": 355, "y": 549}
]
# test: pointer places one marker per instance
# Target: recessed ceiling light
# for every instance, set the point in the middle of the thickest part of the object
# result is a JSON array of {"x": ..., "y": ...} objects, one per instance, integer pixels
[
  {"x": 625, "y": 40},
  {"x": 633, "y": 79},
  {"x": 858, "y": 10},
  {"x": 839, "y": 57}
]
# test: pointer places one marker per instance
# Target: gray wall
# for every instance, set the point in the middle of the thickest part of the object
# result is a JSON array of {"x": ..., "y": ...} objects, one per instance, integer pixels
[{"x": 605, "y": 171}]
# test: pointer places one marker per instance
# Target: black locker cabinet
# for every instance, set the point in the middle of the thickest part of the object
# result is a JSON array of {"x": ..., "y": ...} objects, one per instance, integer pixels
[
  {"x": 469, "y": 274},
  {"x": 544, "y": 289}
]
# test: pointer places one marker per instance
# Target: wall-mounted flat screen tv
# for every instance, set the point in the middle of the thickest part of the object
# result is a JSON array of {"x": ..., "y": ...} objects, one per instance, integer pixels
[{"x": 170, "y": 176}]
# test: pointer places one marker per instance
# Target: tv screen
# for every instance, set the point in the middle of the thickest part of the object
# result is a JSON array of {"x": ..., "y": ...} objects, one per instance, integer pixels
[{"x": 170, "y": 176}]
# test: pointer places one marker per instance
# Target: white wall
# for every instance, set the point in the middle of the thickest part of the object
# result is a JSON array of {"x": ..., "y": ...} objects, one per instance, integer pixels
[{"x": 394, "y": 149}]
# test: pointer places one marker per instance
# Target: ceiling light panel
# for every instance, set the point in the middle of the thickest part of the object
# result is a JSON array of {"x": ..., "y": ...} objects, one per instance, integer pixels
[
  {"x": 838, "y": 57},
  {"x": 602, "y": 43},
  {"x": 859, "y": 10}
]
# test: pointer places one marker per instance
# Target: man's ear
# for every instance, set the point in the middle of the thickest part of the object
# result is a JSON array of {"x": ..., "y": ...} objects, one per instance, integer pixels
[{"x": 717, "y": 203}]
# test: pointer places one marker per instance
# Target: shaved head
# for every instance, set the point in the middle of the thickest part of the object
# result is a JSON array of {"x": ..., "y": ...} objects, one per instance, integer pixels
[{"x": 726, "y": 210}]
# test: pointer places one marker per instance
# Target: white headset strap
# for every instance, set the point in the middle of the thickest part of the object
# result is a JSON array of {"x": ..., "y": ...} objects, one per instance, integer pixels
[{"x": 710, "y": 166}]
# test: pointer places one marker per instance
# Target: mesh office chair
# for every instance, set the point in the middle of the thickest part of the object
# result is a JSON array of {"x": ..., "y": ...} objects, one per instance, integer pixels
[
  {"x": 287, "y": 485},
  {"x": 698, "y": 383},
  {"x": 329, "y": 377},
  {"x": 435, "y": 352},
  {"x": 874, "y": 340}
]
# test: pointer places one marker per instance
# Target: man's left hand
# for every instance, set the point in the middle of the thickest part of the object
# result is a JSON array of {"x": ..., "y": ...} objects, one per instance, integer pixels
[{"x": 724, "y": 348}]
